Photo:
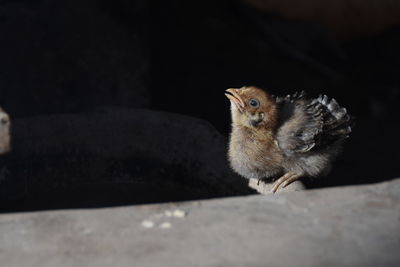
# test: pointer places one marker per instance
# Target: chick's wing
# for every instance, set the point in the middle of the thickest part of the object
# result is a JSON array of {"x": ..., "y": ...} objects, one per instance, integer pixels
[{"x": 300, "y": 124}]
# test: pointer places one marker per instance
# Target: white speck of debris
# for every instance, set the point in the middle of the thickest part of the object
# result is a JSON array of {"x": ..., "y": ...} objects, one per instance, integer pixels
[
  {"x": 168, "y": 213},
  {"x": 147, "y": 224},
  {"x": 165, "y": 225},
  {"x": 179, "y": 213},
  {"x": 86, "y": 231}
]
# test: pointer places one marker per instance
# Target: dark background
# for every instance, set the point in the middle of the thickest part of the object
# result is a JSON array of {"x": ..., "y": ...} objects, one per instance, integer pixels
[{"x": 179, "y": 56}]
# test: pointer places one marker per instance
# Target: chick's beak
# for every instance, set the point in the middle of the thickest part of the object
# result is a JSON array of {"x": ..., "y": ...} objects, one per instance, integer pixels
[{"x": 235, "y": 98}]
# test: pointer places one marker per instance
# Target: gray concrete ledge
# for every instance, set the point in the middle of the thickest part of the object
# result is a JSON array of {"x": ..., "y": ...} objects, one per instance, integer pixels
[{"x": 348, "y": 226}]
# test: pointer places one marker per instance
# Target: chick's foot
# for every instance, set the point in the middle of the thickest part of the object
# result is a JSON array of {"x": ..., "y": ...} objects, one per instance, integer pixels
[{"x": 285, "y": 180}]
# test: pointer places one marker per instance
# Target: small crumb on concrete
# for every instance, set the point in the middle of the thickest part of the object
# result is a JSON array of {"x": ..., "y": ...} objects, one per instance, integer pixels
[
  {"x": 168, "y": 213},
  {"x": 86, "y": 231},
  {"x": 165, "y": 225},
  {"x": 147, "y": 224},
  {"x": 179, "y": 213}
]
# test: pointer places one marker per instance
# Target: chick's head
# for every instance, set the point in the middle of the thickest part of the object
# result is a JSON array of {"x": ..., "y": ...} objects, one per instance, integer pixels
[{"x": 252, "y": 107}]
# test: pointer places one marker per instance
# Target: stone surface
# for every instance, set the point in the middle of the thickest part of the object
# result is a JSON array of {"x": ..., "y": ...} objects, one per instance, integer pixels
[{"x": 349, "y": 226}]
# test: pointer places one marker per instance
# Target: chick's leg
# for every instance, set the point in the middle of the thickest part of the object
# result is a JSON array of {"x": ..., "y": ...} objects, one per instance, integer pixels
[{"x": 286, "y": 180}]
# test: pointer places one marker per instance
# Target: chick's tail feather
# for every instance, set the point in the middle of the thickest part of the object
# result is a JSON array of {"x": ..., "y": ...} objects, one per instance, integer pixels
[{"x": 337, "y": 122}]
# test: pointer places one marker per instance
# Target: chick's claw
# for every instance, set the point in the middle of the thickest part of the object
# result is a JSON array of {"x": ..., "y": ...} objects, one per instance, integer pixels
[
  {"x": 278, "y": 182},
  {"x": 285, "y": 180}
]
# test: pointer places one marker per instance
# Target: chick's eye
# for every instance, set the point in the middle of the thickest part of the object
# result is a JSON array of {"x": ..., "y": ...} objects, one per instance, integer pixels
[{"x": 254, "y": 103}]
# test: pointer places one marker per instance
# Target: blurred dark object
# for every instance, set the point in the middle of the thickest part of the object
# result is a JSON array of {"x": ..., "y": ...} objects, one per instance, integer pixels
[
  {"x": 346, "y": 19},
  {"x": 114, "y": 157}
]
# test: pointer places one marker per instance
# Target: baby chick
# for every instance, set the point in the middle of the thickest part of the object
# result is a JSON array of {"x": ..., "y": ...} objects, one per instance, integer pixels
[{"x": 285, "y": 138}]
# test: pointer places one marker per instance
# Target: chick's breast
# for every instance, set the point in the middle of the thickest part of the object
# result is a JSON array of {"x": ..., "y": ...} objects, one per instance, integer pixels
[{"x": 254, "y": 157}]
